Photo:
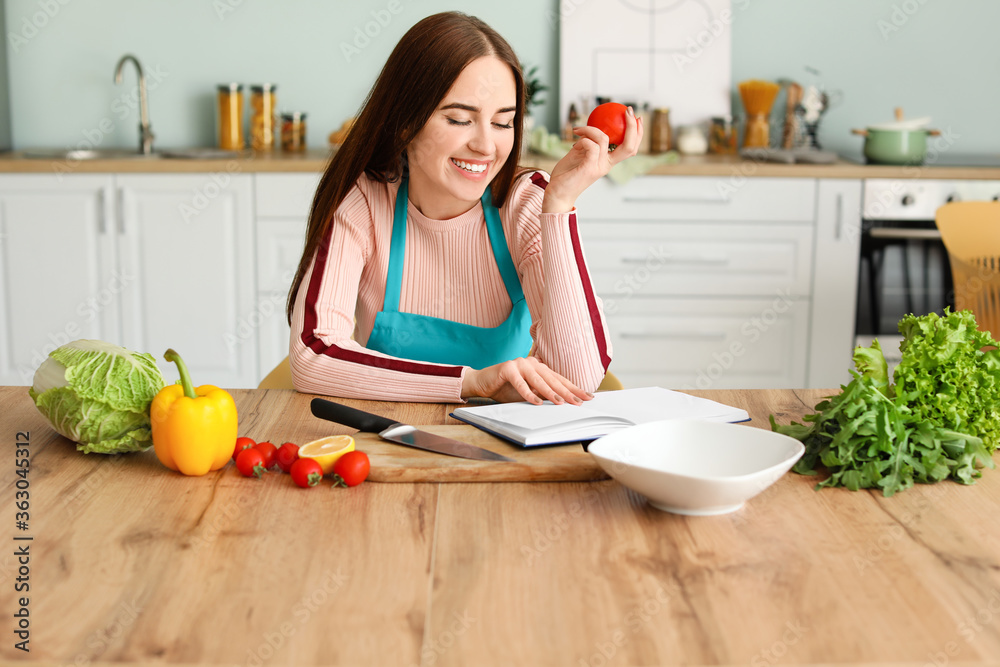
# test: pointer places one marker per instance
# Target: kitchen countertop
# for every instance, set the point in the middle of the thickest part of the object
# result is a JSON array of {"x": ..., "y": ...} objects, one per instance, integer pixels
[
  {"x": 130, "y": 562},
  {"x": 315, "y": 160}
]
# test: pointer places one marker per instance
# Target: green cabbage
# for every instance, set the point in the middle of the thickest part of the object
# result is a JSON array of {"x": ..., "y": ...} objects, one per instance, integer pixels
[{"x": 98, "y": 395}]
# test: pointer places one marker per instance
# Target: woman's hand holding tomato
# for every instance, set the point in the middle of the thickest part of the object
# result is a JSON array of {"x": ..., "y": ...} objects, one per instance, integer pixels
[{"x": 587, "y": 161}]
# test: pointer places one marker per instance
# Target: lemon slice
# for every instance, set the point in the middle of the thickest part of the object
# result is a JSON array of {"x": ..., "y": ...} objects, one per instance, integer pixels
[{"x": 326, "y": 451}]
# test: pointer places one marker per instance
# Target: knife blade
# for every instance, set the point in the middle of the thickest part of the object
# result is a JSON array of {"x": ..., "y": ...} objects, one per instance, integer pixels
[{"x": 402, "y": 434}]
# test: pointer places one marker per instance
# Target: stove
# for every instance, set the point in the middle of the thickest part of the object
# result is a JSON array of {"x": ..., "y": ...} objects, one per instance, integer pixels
[{"x": 904, "y": 266}]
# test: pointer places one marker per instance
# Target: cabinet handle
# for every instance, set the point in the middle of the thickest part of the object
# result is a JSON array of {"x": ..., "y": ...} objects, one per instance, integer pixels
[
  {"x": 121, "y": 211},
  {"x": 101, "y": 213},
  {"x": 676, "y": 200},
  {"x": 686, "y": 335},
  {"x": 839, "y": 222},
  {"x": 715, "y": 261}
]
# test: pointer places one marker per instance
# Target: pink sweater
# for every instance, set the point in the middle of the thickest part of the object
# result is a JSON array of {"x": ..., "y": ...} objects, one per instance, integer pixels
[{"x": 449, "y": 272}]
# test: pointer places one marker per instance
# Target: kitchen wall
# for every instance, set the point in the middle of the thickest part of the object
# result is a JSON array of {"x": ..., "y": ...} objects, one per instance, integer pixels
[{"x": 931, "y": 57}]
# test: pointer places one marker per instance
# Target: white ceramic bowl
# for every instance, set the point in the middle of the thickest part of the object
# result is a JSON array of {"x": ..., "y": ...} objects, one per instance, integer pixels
[{"x": 696, "y": 467}]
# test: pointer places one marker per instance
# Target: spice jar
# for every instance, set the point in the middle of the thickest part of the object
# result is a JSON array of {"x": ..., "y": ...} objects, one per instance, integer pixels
[
  {"x": 722, "y": 137},
  {"x": 661, "y": 131},
  {"x": 293, "y": 131},
  {"x": 230, "y": 97},
  {"x": 262, "y": 116}
]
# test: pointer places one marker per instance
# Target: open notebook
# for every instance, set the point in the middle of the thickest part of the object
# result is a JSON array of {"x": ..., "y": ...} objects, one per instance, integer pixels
[{"x": 547, "y": 424}]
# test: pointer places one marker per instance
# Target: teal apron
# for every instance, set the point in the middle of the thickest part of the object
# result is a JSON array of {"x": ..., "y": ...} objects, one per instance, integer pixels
[{"x": 433, "y": 339}]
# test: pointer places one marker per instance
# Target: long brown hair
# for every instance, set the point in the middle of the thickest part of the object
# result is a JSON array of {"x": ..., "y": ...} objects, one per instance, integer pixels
[{"x": 415, "y": 78}]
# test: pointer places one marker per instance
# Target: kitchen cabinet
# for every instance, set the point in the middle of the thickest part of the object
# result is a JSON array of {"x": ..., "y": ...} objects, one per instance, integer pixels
[
  {"x": 282, "y": 203},
  {"x": 144, "y": 261},
  {"x": 712, "y": 283},
  {"x": 58, "y": 273}
]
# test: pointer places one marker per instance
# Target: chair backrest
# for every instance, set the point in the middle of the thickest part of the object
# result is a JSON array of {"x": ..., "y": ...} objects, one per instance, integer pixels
[{"x": 970, "y": 231}]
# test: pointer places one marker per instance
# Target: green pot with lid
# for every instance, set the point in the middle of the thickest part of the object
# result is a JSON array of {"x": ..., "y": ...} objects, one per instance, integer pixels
[{"x": 903, "y": 142}]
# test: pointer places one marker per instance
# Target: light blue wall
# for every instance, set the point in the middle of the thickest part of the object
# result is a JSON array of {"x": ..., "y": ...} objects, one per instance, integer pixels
[{"x": 942, "y": 61}]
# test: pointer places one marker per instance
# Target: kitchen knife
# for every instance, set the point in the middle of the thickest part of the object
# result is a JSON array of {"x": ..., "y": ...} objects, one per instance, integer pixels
[{"x": 402, "y": 434}]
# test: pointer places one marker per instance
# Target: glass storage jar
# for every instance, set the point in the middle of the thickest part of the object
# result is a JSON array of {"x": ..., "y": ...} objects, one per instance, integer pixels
[
  {"x": 230, "y": 99},
  {"x": 262, "y": 116},
  {"x": 661, "y": 131},
  {"x": 293, "y": 131}
]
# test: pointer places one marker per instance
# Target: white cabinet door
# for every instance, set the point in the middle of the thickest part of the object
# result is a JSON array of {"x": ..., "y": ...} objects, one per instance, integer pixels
[
  {"x": 279, "y": 247},
  {"x": 835, "y": 286},
  {"x": 58, "y": 280},
  {"x": 189, "y": 241},
  {"x": 701, "y": 343},
  {"x": 282, "y": 203}
]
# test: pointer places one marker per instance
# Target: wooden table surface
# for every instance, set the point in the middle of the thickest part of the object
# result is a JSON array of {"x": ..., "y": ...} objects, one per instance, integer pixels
[{"x": 132, "y": 563}]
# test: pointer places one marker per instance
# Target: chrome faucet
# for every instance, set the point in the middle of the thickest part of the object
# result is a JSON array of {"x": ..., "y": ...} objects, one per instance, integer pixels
[{"x": 145, "y": 131}]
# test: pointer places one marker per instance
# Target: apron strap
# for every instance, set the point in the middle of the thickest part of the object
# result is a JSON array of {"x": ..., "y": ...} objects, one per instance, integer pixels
[
  {"x": 494, "y": 227},
  {"x": 394, "y": 276}
]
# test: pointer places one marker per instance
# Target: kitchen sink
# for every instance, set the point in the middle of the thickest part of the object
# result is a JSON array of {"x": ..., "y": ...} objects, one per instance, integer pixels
[{"x": 75, "y": 154}]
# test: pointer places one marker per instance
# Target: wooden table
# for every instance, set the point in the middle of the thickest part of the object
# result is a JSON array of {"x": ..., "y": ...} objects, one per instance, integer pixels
[{"x": 132, "y": 563}]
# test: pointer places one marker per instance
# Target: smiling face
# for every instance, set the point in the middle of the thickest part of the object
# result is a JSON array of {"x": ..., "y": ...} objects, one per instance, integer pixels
[{"x": 465, "y": 142}]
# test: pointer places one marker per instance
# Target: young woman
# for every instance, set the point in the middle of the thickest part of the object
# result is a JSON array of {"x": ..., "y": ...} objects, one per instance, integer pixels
[{"x": 434, "y": 269}]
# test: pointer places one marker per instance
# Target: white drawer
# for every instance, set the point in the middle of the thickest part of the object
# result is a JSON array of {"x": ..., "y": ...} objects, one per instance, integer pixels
[
  {"x": 279, "y": 248},
  {"x": 288, "y": 195},
  {"x": 690, "y": 198},
  {"x": 651, "y": 259},
  {"x": 711, "y": 343}
]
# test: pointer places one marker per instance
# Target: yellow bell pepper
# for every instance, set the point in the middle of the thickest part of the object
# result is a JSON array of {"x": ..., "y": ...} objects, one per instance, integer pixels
[{"x": 194, "y": 429}]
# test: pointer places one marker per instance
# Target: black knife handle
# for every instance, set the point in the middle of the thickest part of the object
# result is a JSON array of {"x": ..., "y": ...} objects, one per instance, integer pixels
[{"x": 342, "y": 414}]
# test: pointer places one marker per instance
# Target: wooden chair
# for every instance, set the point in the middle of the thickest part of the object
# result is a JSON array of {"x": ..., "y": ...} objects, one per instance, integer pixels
[
  {"x": 970, "y": 231},
  {"x": 281, "y": 378}
]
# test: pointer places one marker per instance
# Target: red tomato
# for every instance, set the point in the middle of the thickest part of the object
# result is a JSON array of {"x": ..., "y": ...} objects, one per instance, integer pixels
[
  {"x": 250, "y": 463},
  {"x": 288, "y": 454},
  {"x": 610, "y": 118},
  {"x": 241, "y": 444},
  {"x": 268, "y": 451},
  {"x": 306, "y": 473},
  {"x": 351, "y": 469}
]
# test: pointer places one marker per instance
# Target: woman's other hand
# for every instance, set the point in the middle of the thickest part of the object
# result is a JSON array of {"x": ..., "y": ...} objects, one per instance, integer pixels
[
  {"x": 522, "y": 379},
  {"x": 587, "y": 161}
]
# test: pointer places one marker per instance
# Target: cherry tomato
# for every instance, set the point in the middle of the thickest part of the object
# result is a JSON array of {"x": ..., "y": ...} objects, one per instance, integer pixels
[
  {"x": 610, "y": 118},
  {"x": 306, "y": 473},
  {"x": 241, "y": 444},
  {"x": 250, "y": 463},
  {"x": 288, "y": 454},
  {"x": 351, "y": 469},
  {"x": 269, "y": 452}
]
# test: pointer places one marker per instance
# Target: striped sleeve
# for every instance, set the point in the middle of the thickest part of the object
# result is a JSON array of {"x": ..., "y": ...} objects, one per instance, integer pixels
[
  {"x": 323, "y": 356},
  {"x": 568, "y": 324}
]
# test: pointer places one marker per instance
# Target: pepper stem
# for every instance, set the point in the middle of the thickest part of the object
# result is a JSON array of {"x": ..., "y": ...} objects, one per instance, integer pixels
[{"x": 170, "y": 355}]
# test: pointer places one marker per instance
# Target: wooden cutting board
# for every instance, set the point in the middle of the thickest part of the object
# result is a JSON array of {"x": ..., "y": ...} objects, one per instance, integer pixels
[{"x": 396, "y": 463}]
